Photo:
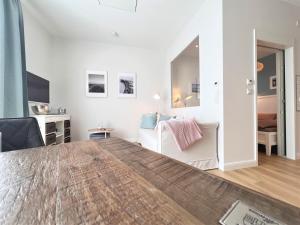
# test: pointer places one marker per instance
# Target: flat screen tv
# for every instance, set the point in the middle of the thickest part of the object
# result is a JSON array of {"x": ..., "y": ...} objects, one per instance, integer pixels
[{"x": 38, "y": 88}]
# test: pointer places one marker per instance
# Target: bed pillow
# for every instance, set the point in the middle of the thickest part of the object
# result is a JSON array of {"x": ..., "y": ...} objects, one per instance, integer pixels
[
  {"x": 162, "y": 117},
  {"x": 149, "y": 121},
  {"x": 267, "y": 116},
  {"x": 267, "y": 123}
]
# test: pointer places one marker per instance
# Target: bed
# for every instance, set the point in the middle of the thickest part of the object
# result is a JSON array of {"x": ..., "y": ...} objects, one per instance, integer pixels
[
  {"x": 267, "y": 131},
  {"x": 203, "y": 154}
]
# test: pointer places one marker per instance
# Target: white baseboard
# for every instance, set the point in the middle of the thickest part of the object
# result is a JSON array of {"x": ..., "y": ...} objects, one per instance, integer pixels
[{"x": 240, "y": 165}]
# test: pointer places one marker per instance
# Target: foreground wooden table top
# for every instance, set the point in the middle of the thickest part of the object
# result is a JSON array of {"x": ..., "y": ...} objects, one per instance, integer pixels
[{"x": 113, "y": 182}]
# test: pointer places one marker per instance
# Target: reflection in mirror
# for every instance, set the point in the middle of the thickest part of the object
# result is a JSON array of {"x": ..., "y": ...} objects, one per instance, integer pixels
[{"x": 185, "y": 77}]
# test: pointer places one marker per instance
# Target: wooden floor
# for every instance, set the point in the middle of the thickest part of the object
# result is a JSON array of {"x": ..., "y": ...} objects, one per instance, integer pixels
[{"x": 275, "y": 176}]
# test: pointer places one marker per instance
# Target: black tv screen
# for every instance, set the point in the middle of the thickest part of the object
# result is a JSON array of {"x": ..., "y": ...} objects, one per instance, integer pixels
[{"x": 38, "y": 88}]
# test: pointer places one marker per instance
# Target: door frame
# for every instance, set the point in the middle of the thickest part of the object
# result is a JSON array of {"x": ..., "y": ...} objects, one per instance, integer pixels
[
  {"x": 287, "y": 44},
  {"x": 280, "y": 95}
]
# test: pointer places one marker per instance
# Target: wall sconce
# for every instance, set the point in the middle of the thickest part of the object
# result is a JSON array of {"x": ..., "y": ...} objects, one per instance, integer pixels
[
  {"x": 156, "y": 96},
  {"x": 177, "y": 100},
  {"x": 186, "y": 99}
]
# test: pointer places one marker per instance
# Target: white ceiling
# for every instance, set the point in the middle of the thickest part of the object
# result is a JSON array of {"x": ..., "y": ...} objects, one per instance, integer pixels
[
  {"x": 154, "y": 25},
  {"x": 127, "y": 5},
  {"x": 294, "y": 2}
]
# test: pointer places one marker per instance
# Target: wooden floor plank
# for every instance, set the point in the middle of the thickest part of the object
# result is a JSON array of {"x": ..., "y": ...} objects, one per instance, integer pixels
[{"x": 275, "y": 176}]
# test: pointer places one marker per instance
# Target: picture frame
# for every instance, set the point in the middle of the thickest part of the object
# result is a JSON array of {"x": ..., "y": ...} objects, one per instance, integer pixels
[
  {"x": 196, "y": 89},
  {"x": 273, "y": 82},
  {"x": 127, "y": 85},
  {"x": 96, "y": 84}
]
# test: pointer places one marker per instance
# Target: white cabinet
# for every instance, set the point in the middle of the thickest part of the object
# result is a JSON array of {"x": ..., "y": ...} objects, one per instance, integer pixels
[{"x": 55, "y": 129}]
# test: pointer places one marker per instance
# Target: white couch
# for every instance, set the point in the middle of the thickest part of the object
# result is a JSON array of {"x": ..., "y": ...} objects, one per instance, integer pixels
[{"x": 203, "y": 154}]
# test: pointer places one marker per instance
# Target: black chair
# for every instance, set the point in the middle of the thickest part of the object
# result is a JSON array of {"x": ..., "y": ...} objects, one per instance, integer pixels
[{"x": 20, "y": 133}]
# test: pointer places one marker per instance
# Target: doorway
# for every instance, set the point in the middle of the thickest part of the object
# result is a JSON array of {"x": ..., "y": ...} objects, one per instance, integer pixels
[
  {"x": 285, "y": 42},
  {"x": 271, "y": 108}
]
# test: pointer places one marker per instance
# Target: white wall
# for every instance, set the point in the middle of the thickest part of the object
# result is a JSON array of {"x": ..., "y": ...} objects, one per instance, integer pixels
[
  {"x": 64, "y": 64},
  {"x": 38, "y": 43},
  {"x": 39, "y": 49},
  {"x": 207, "y": 23},
  {"x": 267, "y": 104},
  {"x": 72, "y": 59},
  {"x": 240, "y": 18},
  {"x": 230, "y": 66}
]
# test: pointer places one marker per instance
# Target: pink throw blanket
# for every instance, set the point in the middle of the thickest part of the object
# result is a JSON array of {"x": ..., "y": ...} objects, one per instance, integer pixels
[{"x": 185, "y": 132}]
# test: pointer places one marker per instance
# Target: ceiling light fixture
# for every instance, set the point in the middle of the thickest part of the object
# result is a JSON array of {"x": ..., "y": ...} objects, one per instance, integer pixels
[
  {"x": 116, "y": 34},
  {"x": 126, "y": 5},
  {"x": 197, "y": 46},
  {"x": 260, "y": 66}
]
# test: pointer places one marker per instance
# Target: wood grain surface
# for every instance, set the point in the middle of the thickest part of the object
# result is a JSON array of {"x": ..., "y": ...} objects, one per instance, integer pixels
[
  {"x": 80, "y": 184},
  {"x": 204, "y": 195},
  {"x": 113, "y": 182}
]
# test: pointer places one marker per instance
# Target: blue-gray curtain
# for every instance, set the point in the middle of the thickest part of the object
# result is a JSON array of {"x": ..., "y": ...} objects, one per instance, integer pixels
[{"x": 13, "y": 78}]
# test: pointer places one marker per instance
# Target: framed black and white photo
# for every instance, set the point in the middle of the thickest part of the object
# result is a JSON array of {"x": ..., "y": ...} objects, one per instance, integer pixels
[
  {"x": 273, "y": 82},
  {"x": 96, "y": 84},
  {"x": 127, "y": 85},
  {"x": 196, "y": 89}
]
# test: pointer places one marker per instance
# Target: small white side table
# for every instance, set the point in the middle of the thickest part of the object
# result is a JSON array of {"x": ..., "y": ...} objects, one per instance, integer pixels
[
  {"x": 105, "y": 131},
  {"x": 267, "y": 139}
]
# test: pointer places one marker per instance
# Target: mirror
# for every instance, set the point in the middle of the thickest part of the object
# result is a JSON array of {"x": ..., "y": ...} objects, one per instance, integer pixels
[{"x": 185, "y": 77}]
